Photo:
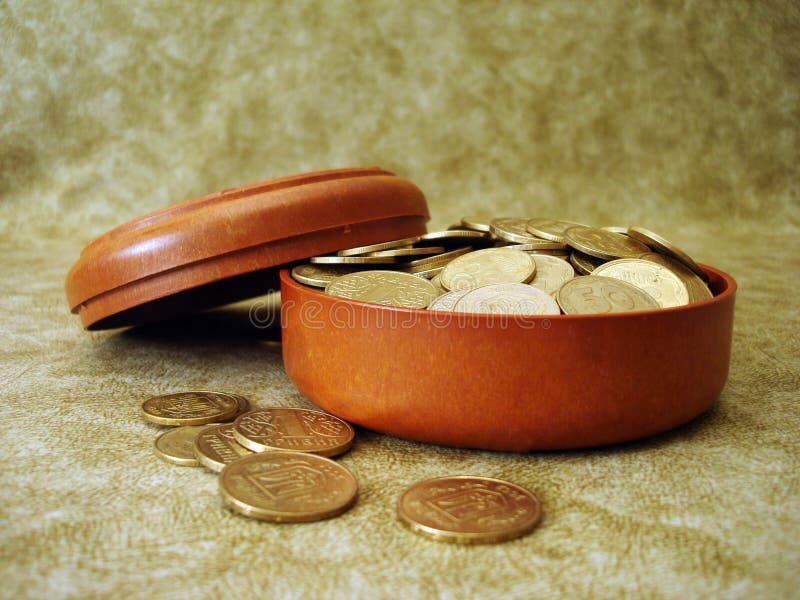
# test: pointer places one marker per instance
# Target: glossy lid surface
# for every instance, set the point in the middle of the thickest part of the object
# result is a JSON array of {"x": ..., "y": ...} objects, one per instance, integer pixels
[{"x": 227, "y": 246}]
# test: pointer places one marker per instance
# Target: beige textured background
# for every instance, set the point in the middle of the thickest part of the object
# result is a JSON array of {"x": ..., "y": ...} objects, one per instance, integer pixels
[{"x": 681, "y": 116}]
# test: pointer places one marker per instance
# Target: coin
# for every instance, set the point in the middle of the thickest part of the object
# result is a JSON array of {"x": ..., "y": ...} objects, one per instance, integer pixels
[
  {"x": 512, "y": 230},
  {"x": 378, "y": 247},
  {"x": 538, "y": 245},
  {"x": 508, "y": 299},
  {"x": 282, "y": 428},
  {"x": 616, "y": 229},
  {"x": 650, "y": 277},
  {"x": 190, "y": 408},
  {"x": 244, "y": 404},
  {"x": 451, "y": 237},
  {"x": 446, "y": 302},
  {"x": 353, "y": 260},
  {"x": 177, "y": 445},
  {"x": 697, "y": 288},
  {"x": 549, "y": 229},
  {"x": 583, "y": 263},
  {"x": 404, "y": 252},
  {"x": 655, "y": 241},
  {"x": 603, "y": 244},
  {"x": 435, "y": 280},
  {"x": 477, "y": 223},
  {"x": 463, "y": 509},
  {"x": 484, "y": 267},
  {"x": 322, "y": 275},
  {"x": 551, "y": 273},
  {"x": 389, "y": 288},
  {"x": 287, "y": 487},
  {"x": 442, "y": 259},
  {"x": 215, "y": 447},
  {"x": 426, "y": 271},
  {"x": 594, "y": 294}
]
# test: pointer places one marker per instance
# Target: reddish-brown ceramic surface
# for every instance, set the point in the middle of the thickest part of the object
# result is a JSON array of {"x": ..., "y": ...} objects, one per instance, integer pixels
[
  {"x": 228, "y": 245},
  {"x": 508, "y": 383}
]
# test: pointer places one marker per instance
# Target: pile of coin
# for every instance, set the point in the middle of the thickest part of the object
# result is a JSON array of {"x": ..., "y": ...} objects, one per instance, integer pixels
[
  {"x": 274, "y": 465},
  {"x": 516, "y": 266}
]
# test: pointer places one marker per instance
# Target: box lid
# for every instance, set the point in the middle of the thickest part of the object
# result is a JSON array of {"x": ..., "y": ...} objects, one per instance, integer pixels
[{"x": 229, "y": 245}]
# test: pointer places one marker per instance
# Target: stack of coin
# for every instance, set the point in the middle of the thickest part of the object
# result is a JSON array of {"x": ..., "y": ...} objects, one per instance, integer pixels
[
  {"x": 517, "y": 266},
  {"x": 271, "y": 461}
]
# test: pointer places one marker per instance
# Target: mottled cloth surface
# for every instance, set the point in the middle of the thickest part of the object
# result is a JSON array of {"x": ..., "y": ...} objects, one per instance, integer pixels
[{"x": 683, "y": 117}]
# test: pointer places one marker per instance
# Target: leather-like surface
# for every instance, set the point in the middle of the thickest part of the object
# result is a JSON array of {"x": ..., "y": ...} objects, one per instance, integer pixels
[{"x": 678, "y": 117}]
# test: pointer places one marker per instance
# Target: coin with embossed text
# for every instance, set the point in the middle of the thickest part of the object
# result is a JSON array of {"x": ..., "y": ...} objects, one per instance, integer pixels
[
  {"x": 300, "y": 429},
  {"x": 322, "y": 275},
  {"x": 489, "y": 266},
  {"x": 594, "y": 294},
  {"x": 549, "y": 229},
  {"x": 697, "y": 288},
  {"x": 389, "y": 288},
  {"x": 512, "y": 230},
  {"x": 190, "y": 408},
  {"x": 602, "y": 243},
  {"x": 551, "y": 273},
  {"x": 288, "y": 487},
  {"x": 215, "y": 447},
  {"x": 507, "y": 299},
  {"x": 447, "y": 301},
  {"x": 177, "y": 445},
  {"x": 463, "y": 509},
  {"x": 662, "y": 284}
]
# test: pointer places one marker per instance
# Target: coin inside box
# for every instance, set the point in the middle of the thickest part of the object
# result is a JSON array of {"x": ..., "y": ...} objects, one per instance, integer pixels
[{"x": 505, "y": 382}]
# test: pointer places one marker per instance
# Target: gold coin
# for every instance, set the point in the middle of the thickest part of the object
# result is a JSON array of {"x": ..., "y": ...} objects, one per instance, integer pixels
[
  {"x": 537, "y": 245},
  {"x": 190, "y": 408},
  {"x": 215, "y": 447},
  {"x": 287, "y": 487},
  {"x": 435, "y": 280},
  {"x": 378, "y": 247},
  {"x": 594, "y": 294},
  {"x": 650, "y": 277},
  {"x": 299, "y": 429},
  {"x": 488, "y": 266},
  {"x": 507, "y": 299},
  {"x": 477, "y": 223},
  {"x": 177, "y": 445},
  {"x": 697, "y": 288},
  {"x": 439, "y": 259},
  {"x": 616, "y": 229},
  {"x": 551, "y": 273},
  {"x": 353, "y": 260},
  {"x": 451, "y": 237},
  {"x": 426, "y": 271},
  {"x": 469, "y": 510},
  {"x": 583, "y": 263},
  {"x": 389, "y": 288},
  {"x": 322, "y": 275},
  {"x": 405, "y": 252},
  {"x": 512, "y": 230},
  {"x": 549, "y": 229},
  {"x": 447, "y": 302},
  {"x": 603, "y": 244},
  {"x": 658, "y": 243}
]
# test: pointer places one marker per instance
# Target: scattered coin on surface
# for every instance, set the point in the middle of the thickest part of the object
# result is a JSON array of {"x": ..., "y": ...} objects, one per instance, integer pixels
[
  {"x": 287, "y": 487},
  {"x": 215, "y": 447},
  {"x": 299, "y": 429},
  {"x": 464, "y": 509},
  {"x": 190, "y": 408},
  {"x": 177, "y": 445}
]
